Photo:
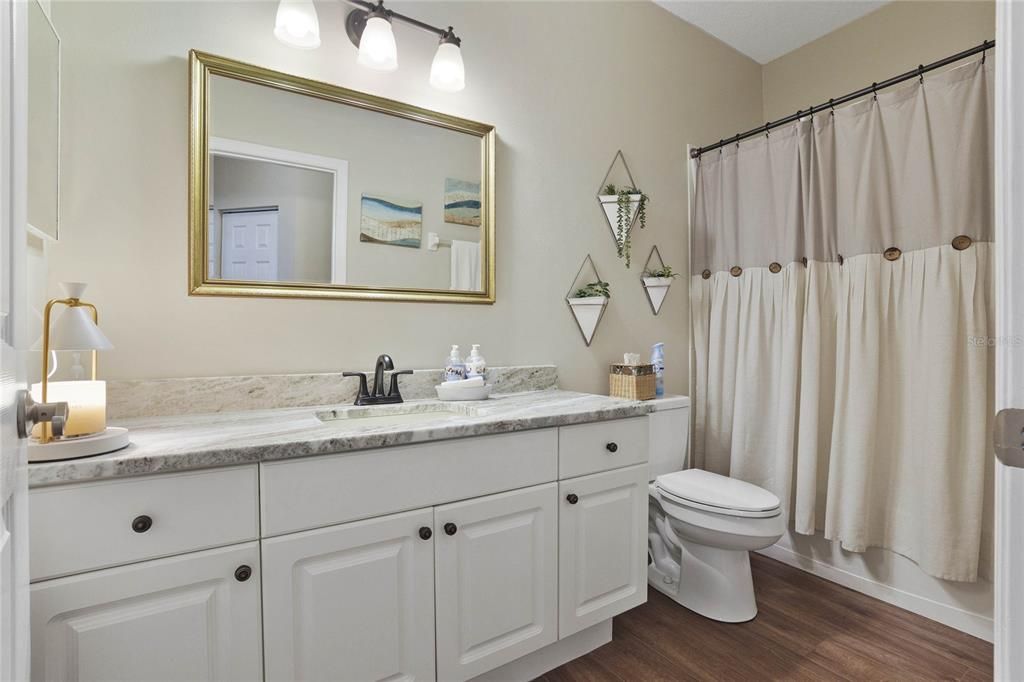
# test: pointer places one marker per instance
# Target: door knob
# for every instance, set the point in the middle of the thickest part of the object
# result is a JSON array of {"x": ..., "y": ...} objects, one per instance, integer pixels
[
  {"x": 450, "y": 528},
  {"x": 31, "y": 413},
  {"x": 426, "y": 533},
  {"x": 572, "y": 498}
]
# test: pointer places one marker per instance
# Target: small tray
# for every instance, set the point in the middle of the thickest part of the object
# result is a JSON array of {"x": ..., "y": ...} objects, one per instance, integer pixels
[{"x": 453, "y": 391}]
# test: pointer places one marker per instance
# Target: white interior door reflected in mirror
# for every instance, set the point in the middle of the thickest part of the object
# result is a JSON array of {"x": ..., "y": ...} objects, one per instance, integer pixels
[
  {"x": 373, "y": 198},
  {"x": 43, "y": 122}
]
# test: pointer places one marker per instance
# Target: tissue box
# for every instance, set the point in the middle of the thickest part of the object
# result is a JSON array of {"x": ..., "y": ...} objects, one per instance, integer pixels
[{"x": 636, "y": 382}]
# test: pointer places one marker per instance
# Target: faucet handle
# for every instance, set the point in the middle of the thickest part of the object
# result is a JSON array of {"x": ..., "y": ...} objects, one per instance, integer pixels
[
  {"x": 363, "y": 391},
  {"x": 393, "y": 388}
]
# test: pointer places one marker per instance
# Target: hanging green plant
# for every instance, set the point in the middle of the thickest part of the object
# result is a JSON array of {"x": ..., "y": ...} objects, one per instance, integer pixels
[{"x": 625, "y": 199}]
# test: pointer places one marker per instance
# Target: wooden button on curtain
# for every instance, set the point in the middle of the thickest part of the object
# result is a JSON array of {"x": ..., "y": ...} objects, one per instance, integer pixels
[
  {"x": 892, "y": 253},
  {"x": 775, "y": 267},
  {"x": 735, "y": 271},
  {"x": 706, "y": 274},
  {"x": 962, "y": 242}
]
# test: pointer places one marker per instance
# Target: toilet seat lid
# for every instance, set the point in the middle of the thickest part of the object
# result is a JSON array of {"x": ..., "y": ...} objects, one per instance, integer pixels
[{"x": 714, "y": 490}]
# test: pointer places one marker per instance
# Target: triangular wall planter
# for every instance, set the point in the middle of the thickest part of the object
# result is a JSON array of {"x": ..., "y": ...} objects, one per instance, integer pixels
[
  {"x": 588, "y": 310},
  {"x": 656, "y": 288},
  {"x": 610, "y": 202}
]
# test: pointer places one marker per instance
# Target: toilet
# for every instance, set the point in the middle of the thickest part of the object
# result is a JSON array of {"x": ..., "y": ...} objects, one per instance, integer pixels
[{"x": 702, "y": 526}]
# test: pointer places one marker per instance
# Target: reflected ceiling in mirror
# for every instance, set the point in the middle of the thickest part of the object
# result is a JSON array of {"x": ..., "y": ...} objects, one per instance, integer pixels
[{"x": 304, "y": 189}]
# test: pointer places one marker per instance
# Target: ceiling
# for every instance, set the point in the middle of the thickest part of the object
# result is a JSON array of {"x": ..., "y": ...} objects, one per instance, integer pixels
[{"x": 767, "y": 29}]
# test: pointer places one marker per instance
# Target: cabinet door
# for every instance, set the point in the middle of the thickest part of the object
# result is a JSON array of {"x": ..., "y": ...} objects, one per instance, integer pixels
[
  {"x": 497, "y": 577},
  {"x": 351, "y": 602},
  {"x": 182, "y": 618},
  {"x": 602, "y": 564}
]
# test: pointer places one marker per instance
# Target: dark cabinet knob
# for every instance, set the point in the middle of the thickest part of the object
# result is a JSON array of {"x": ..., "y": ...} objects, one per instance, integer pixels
[
  {"x": 450, "y": 528},
  {"x": 612, "y": 447},
  {"x": 243, "y": 573},
  {"x": 572, "y": 498},
  {"x": 140, "y": 524},
  {"x": 426, "y": 533}
]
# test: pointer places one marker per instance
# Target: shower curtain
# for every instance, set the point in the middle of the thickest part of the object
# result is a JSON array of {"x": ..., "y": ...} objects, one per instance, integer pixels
[{"x": 842, "y": 312}]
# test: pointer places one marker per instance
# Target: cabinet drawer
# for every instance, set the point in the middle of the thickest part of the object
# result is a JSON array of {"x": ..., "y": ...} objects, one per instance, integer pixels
[
  {"x": 321, "y": 491},
  {"x": 589, "y": 448},
  {"x": 85, "y": 526}
]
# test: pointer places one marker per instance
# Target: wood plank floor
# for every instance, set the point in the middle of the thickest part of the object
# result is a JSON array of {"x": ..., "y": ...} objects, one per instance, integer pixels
[{"x": 807, "y": 628}]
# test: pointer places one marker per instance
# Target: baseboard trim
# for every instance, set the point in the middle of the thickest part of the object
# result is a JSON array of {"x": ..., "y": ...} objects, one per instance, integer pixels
[
  {"x": 965, "y": 621},
  {"x": 534, "y": 665}
]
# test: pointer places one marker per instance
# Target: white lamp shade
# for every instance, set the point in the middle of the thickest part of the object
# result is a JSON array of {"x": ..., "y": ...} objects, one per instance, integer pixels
[
  {"x": 75, "y": 330},
  {"x": 377, "y": 48},
  {"x": 447, "y": 72},
  {"x": 297, "y": 24}
]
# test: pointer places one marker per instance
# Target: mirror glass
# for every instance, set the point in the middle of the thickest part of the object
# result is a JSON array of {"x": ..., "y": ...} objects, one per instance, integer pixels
[
  {"x": 43, "y": 121},
  {"x": 303, "y": 190}
]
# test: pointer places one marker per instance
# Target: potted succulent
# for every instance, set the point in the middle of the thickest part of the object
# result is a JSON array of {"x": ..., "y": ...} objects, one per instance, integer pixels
[
  {"x": 624, "y": 206},
  {"x": 656, "y": 283},
  {"x": 588, "y": 304}
]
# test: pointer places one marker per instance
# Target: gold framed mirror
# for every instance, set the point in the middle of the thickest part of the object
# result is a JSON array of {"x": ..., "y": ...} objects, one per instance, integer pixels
[{"x": 303, "y": 189}]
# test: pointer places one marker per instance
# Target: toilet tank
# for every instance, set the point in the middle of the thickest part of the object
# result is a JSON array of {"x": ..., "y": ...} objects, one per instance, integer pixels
[{"x": 669, "y": 428}]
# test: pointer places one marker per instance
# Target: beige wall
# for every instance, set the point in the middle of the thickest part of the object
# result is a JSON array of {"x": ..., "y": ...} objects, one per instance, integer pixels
[
  {"x": 891, "y": 40},
  {"x": 564, "y": 84}
]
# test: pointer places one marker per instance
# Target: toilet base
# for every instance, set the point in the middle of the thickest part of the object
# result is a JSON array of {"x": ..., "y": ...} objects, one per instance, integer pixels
[{"x": 716, "y": 583}]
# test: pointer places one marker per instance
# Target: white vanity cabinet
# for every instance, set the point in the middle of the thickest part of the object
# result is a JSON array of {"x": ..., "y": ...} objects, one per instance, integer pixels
[
  {"x": 442, "y": 560},
  {"x": 602, "y": 553},
  {"x": 351, "y": 602},
  {"x": 185, "y": 618},
  {"x": 497, "y": 579}
]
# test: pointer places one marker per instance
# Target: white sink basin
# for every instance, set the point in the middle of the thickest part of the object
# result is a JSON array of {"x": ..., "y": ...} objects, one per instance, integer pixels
[{"x": 388, "y": 415}]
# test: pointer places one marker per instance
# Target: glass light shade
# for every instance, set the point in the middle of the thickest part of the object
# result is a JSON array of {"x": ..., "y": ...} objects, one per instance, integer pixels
[
  {"x": 297, "y": 24},
  {"x": 447, "y": 71},
  {"x": 87, "y": 405},
  {"x": 75, "y": 330},
  {"x": 377, "y": 48}
]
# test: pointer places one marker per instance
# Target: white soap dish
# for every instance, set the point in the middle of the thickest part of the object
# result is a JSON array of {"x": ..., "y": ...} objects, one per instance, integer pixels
[{"x": 453, "y": 391}]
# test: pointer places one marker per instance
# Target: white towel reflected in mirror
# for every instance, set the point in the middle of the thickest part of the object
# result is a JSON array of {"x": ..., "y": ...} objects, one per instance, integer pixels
[{"x": 465, "y": 266}]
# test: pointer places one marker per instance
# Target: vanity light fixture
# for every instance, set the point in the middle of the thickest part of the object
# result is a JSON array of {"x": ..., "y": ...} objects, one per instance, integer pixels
[
  {"x": 377, "y": 49},
  {"x": 297, "y": 25},
  {"x": 369, "y": 28}
]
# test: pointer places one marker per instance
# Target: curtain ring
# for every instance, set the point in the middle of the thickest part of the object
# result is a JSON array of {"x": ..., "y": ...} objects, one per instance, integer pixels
[
  {"x": 984, "y": 52},
  {"x": 720, "y": 144},
  {"x": 831, "y": 107},
  {"x": 737, "y": 140},
  {"x": 920, "y": 73},
  {"x": 766, "y": 129},
  {"x": 874, "y": 91}
]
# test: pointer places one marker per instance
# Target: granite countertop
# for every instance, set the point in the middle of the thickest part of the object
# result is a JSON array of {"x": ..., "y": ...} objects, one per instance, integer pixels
[{"x": 199, "y": 441}]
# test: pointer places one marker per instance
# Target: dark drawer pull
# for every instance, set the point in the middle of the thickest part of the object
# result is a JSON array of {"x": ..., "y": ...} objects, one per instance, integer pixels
[
  {"x": 450, "y": 528},
  {"x": 612, "y": 447},
  {"x": 426, "y": 533},
  {"x": 140, "y": 524},
  {"x": 572, "y": 498},
  {"x": 243, "y": 573}
]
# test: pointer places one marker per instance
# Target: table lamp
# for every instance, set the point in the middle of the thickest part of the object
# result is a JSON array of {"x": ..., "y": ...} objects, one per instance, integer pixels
[{"x": 85, "y": 430}]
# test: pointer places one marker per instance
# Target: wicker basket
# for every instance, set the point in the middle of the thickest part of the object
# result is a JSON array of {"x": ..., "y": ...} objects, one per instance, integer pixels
[{"x": 635, "y": 382}]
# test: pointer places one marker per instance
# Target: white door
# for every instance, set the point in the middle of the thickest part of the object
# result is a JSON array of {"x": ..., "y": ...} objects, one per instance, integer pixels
[
  {"x": 353, "y": 602},
  {"x": 190, "y": 618},
  {"x": 602, "y": 563},
  {"x": 1009, "y": 341},
  {"x": 249, "y": 246},
  {"x": 212, "y": 246},
  {"x": 497, "y": 577},
  {"x": 14, "y": 659}
]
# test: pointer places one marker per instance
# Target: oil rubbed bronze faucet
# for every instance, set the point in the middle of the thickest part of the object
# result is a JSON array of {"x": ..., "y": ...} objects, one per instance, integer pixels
[{"x": 378, "y": 396}]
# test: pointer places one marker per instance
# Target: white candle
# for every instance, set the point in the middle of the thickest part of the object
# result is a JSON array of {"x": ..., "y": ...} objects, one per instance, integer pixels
[{"x": 87, "y": 405}]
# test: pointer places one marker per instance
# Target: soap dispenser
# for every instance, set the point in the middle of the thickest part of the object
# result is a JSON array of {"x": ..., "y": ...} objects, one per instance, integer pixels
[
  {"x": 475, "y": 364},
  {"x": 454, "y": 368}
]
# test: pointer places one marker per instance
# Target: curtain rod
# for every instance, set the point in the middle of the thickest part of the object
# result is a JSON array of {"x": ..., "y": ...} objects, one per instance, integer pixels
[{"x": 832, "y": 103}]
